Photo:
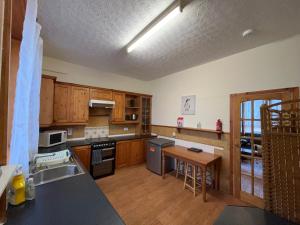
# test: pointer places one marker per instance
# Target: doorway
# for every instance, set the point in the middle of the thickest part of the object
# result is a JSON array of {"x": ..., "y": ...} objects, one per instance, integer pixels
[{"x": 246, "y": 141}]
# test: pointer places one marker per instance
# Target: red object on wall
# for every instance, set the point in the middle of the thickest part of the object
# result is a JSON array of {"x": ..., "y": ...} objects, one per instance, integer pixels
[
  {"x": 180, "y": 122},
  {"x": 219, "y": 125}
]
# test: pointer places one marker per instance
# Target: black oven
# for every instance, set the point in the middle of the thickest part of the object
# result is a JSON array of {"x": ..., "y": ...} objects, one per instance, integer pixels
[{"x": 103, "y": 159}]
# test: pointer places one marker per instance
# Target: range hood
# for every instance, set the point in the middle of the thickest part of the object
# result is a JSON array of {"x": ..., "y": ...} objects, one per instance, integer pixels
[{"x": 101, "y": 103}]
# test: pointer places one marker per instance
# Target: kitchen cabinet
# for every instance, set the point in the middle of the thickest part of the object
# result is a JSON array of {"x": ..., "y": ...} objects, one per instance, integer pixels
[
  {"x": 101, "y": 94},
  {"x": 136, "y": 152},
  {"x": 70, "y": 104},
  {"x": 79, "y": 111},
  {"x": 129, "y": 153},
  {"x": 118, "y": 113},
  {"x": 84, "y": 155},
  {"x": 122, "y": 154},
  {"x": 46, "y": 101}
]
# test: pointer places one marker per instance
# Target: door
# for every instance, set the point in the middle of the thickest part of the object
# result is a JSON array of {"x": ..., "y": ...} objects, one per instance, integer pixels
[
  {"x": 122, "y": 154},
  {"x": 118, "y": 114},
  {"x": 79, "y": 104},
  {"x": 84, "y": 154},
  {"x": 62, "y": 94},
  {"x": 46, "y": 101},
  {"x": 246, "y": 141},
  {"x": 136, "y": 152}
]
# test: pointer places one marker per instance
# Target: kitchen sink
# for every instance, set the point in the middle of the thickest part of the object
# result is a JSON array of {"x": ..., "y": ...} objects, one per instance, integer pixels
[{"x": 58, "y": 172}]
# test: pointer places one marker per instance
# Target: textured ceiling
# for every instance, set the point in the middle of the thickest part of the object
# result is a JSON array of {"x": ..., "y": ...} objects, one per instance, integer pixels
[{"x": 94, "y": 32}]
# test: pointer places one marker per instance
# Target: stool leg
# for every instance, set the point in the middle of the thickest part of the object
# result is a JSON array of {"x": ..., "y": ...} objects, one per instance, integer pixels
[
  {"x": 177, "y": 168},
  {"x": 185, "y": 174},
  {"x": 194, "y": 168}
]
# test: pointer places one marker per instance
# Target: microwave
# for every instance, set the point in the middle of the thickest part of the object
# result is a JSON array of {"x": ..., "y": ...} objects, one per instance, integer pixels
[{"x": 52, "y": 137}]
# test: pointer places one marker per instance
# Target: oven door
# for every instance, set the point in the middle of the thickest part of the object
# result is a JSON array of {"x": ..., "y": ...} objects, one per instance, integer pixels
[
  {"x": 108, "y": 153},
  {"x": 105, "y": 168}
]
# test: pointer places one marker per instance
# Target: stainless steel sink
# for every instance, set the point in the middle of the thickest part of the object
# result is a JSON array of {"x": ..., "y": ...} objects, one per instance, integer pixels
[{"x": 58, "y": 172}]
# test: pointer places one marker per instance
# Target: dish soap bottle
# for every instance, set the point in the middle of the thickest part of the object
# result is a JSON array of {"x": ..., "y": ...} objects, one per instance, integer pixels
[{"x": 17, "y": 188}]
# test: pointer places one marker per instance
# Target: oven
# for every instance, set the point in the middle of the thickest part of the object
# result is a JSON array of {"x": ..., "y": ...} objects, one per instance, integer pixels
[{"x": 103, "y": 159}]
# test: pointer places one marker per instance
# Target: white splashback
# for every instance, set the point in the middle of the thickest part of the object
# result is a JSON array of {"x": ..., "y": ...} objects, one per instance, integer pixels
[{"x": 96, "y": 132}]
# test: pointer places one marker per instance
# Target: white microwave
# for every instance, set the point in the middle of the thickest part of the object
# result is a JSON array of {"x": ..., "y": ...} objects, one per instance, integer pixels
[{"x": 52, "y": 137}]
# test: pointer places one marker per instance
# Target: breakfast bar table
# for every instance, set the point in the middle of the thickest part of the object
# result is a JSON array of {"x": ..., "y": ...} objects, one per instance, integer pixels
[{"x": 202, "y": 159}]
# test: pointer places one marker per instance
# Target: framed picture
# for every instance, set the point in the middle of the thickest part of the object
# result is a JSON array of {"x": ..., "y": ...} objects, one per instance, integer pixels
[{"x": 188, "y": 105}]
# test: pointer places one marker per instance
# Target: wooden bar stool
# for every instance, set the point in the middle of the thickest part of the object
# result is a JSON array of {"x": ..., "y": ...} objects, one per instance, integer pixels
[
  {"x": 180, "y": 167},
  {"x": 190, "y": 173}
]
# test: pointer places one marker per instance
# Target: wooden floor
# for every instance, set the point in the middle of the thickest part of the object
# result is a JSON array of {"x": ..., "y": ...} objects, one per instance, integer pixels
[{"x": 144, "y": 198}]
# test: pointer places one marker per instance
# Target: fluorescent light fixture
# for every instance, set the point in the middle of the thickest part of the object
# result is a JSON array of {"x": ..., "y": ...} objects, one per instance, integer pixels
[{"x": 153, "y": 27}]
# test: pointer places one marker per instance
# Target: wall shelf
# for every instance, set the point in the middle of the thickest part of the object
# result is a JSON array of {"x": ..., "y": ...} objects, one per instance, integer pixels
[{"x": 218, "y": 133}]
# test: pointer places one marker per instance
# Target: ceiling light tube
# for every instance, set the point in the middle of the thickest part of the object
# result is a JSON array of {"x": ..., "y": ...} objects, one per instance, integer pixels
[{"x": 171, "y": 12}]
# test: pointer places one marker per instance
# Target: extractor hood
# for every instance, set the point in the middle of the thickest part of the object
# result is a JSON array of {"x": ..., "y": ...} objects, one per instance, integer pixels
[{"x": 101, "y": 103}]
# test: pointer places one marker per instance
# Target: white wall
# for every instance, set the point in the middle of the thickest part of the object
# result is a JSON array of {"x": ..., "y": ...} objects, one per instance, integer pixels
[
  {"x": 276, "y": 65},
  {"x": 68, "y": 72}
]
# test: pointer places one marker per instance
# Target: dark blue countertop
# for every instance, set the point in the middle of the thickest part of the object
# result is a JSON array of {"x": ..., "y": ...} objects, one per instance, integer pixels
[
  {"x": 77, "y": 201},
  {"x": 119, "y": 138}
]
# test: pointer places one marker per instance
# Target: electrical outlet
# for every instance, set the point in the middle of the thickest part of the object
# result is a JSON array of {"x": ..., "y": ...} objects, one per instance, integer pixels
[
  {"x": 173, "y": 135},
  {"x": 69, "y": 131},
  {"x": 125, "y": 128}
]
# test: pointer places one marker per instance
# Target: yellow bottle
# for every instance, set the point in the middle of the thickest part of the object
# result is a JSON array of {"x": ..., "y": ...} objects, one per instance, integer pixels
[{"x": 17, "y": 188}]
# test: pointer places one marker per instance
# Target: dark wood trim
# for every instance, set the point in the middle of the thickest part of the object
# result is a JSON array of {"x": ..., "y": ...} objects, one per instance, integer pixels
[
  {"x": 18, "y": 16},
  {"x": 277, "y": 90},
  {"x": 49, "y": 77},
  {"x": 5, "y": 73}
]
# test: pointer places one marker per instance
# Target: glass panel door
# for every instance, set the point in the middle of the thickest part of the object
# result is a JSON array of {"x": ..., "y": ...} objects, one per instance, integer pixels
[{"x": 251, "y": 147}]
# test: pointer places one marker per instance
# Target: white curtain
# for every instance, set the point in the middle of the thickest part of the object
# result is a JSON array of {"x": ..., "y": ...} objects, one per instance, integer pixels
[{"x": 25, "y": 130}]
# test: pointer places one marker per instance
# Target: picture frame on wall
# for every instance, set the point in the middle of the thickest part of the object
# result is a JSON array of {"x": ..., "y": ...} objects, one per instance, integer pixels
[{"x": 188, "y": 105}]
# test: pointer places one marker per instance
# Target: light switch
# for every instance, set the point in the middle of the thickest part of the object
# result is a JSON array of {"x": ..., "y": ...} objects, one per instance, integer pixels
[{"x": 69, "y": 131}]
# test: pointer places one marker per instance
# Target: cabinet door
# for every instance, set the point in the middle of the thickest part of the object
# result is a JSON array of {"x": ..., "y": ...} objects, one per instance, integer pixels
[
  {"x": 62, "y": 94},
  {"x": 79, "y": 112},
  {"x": 84, "y": 154},
  {"x": 100, "y": 94},
  {"x": 46, "y": 102},
  {"x": 136, "y": 152},
  {"x": 118, "y": 114},
  {"x": 122, "y": 154}
]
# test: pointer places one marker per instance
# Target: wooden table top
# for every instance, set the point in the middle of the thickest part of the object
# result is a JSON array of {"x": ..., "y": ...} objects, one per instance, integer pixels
[{"x": 203, "y": 158}]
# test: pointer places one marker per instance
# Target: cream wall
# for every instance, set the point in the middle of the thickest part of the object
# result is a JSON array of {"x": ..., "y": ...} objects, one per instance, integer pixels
[
  {"x": 276, "y": 65},
  {"x": 68, "y": 72}
]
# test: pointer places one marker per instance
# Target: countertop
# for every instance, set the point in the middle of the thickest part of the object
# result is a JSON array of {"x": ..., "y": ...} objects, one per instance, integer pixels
[
  {"x": 76, "y": 201},
  {"x": 118, "y": 138}
]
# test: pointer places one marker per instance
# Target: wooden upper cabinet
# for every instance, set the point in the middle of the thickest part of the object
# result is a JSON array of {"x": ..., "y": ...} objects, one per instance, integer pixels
[
  {"x": 118, "y": 113},
  {"x": 62, "y": 93},
  {"x": 70, "y": 104},
  {"x": 46, "y": 101},
  {"x": 79, "y": 111},
  {"x": 100, "y": 94}
]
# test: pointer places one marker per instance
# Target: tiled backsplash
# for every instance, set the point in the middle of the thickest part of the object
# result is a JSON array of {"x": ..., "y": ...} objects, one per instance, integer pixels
[{"x": 96, "y": 132}]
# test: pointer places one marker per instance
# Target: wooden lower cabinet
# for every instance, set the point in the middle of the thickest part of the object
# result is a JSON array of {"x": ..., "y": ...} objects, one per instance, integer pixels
[
  {"x": 129, "y": 153},
  {"x": 84, "y": 155}
]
